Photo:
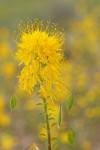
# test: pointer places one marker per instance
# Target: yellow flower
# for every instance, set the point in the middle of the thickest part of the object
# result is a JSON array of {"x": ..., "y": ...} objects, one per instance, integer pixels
[
  {"x": 4, "y": 120},
  {"x": 40, "y": 52},
  {"x": 7, "y": 143},
  {"x": 42, "y": 133}
]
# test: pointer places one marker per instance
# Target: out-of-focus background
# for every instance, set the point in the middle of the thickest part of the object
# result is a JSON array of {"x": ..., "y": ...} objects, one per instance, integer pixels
[{"x": 80, "y": 20}]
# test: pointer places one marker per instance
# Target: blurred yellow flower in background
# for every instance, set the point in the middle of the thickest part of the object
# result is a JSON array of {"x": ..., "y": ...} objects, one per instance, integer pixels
[
  {"x": 86, "y": 145},
  {"x": 1, "y": 104},
  {"x": 7, "y": 142},
  {"x": 4, "y": 50},
  {"x": 93, "y": 112},
  {"x": 82, "y": 102},
  {"x": 4, "y": 120},
  {"x": 9, "y": 69},
  {"x": 64, "y": 137}
]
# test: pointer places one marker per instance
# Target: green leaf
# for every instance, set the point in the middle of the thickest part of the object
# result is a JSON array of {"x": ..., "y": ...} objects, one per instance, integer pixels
[
  {"x": 50, "y": 114},
  {"x": 54, "y": 138},
  {"x": 39, "y": 104},
  {"x": 71, "y": 136},
  {"x": 70, "y": 102},
  {"x": 51, "y": 118},
  {"x": 60, "y": 115},
  {"x": 43, "y": 134},
  {"x": 13, "y": 102},
  {"x": 53, "y": 124}
]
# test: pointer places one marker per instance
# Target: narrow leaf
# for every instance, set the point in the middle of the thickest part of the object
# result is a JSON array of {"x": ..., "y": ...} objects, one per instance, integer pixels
[
  {"x": 53, "y": 124},
  {"x": 39, "y": 104},
  {"x": 71, "y": 136},
  {"x": 60, "y": 115},
  {"x": 51, "y": 118},
  {"x": 55, "y": 138},
  {"x": 50, "y": 114},
  {"x": 70, "y": 102},
  {"x": 43, "y": 134},
  {"x": 13, "y": 102}
]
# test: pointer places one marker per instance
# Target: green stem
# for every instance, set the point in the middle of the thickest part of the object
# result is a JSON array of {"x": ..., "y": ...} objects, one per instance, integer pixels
[{"x": 47, "y": 123}]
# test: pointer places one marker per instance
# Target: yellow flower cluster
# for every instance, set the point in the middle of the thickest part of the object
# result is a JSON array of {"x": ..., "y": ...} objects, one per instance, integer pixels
[{"x": 40, "y": 52}]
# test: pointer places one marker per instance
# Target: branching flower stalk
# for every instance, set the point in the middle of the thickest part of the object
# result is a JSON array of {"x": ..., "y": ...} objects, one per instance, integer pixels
[{"x": 39, "y": 50}]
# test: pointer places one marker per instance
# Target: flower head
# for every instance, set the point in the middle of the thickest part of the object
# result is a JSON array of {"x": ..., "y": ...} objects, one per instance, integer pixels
[{"x": 40, "y": 52}]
